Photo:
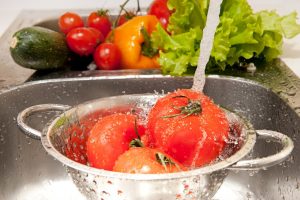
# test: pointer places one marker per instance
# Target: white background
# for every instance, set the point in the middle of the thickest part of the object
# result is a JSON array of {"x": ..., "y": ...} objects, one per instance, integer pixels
[{"x": 9, "y": 10}]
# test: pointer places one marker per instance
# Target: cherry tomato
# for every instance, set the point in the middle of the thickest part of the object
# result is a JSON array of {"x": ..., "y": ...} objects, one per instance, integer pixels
[
  {"x": 188, "y": 126},
  {"x": 69, "y": 21},
  {"x": 160, "y": 9},
  {"x": 110, "y": 137},
  {"x": 83, "y": 40},
  {"x": 100, "y": 21},
  {"x": 125, "y": 17},
  {"x": 145, "y": 160},
  {"x": 107, "y": 56}
]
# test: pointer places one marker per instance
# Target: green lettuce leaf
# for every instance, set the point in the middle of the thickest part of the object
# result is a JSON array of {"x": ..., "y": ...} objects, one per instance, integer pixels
[
  {"x": 289, "y": 25},
  {"x": 188, "y": 14},
  {"x": 178, "y": 52},
  {"x": 241, "y": 34}
]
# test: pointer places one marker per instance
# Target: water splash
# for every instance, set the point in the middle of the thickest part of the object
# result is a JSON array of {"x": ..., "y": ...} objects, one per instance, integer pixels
[
  {"x": 198, "y": 148},
  {"x": 206, "y": 44}
]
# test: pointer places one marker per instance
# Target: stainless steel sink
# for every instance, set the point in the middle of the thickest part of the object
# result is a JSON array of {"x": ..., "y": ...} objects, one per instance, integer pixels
[
  {"x": 27, "y": 172},
  {"x": 270, "y": 101}
]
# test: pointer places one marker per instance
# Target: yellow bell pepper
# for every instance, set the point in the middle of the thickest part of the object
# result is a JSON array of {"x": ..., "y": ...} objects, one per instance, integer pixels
[{"x": 130, "y": 39}]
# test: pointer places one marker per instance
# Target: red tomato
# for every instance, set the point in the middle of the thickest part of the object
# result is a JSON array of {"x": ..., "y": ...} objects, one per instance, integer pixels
[
  {"x": 84, "y": 41},
  {"x": 144, "y": 160},
  {"x": 109, "y": 138},
  {"x": 78, "y": 133},
  {"x": 125, "y": 17},
  {"x": 100, "y": 21},
  {"x": 147, "y": 140},
  {"x": 75, "y": 146},
  {"x": 69, "y": 21},
  {"x": 107, "y": 56},
  {"x": 192, "y": 138},
  {"x": 160, "y": 9}
]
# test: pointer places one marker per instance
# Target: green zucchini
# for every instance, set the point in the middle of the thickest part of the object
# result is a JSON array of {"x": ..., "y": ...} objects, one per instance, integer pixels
[{"x": 39, "y": 48}]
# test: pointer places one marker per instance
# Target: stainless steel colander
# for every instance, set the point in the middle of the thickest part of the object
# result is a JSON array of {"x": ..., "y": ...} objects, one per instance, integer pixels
[{"x": 200, "y": 183}]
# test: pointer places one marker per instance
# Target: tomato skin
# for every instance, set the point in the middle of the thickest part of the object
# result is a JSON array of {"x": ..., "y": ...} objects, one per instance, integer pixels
[
  {"x": 78, "y": 133},
  {"x": 109, "y": 138},
  {"x": 194, "y": 140},
  {"x": 160, "y": 9},
  {"x": 100, "y": 21},
  {"x": 84, "y": 40},
  {"x": 75, "y": 148},
  {"x": 125, "y": 17},
  {"x": 69, "y": 21},
  {"x": 122, "y": 20},
  {"x": 142, "y": 160},
  {"x": 107, "y": 56}
]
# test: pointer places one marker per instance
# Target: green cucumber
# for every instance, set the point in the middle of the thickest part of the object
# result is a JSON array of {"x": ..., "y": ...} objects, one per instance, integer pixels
[{"x": 39, "y": 48}]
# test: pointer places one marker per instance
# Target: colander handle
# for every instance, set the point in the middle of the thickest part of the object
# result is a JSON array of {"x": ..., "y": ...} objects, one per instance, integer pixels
[
  {"x": 268, "y": 161},
  {"x": 23, "y": 115}
]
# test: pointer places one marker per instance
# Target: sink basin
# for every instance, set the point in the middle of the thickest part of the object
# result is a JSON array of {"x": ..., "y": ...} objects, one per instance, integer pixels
[
  {"x": 271, "y": 101},
  {"x": 27, "y": 172}
]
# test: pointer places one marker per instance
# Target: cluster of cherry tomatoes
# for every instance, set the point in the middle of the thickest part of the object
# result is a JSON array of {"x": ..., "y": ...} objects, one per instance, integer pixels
[
  {"x": 93, "y": 38},
  {"x": 90, "y": 40},
  {"x": 184, "y": 129}
]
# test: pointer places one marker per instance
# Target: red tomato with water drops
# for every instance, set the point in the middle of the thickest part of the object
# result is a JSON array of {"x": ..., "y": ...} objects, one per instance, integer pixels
[
  {"x": 110, "y": 137},
  {"x": 100, "y": 20},
  {"x": 107, "y": 56},
  {"x": 84, "y": 40},
  {"x": 75, "y": 146},
  {"x": 78, "y": 133},
  {"x": 160, "y": 9},
  {"x": 188, "y": 126},
  {"x": 69, "y": 21},
  {"x": 144, "y": 160}
]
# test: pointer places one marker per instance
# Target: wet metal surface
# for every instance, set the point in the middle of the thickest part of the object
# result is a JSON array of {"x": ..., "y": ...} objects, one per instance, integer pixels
[{"x": 27, "y": 172}]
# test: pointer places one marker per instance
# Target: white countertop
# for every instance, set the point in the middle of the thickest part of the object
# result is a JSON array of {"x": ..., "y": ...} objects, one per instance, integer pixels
[{"x": 9, "y": 10}]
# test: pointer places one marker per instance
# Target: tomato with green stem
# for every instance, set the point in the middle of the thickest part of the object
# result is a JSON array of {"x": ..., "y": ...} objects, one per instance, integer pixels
[
  {"x": 100, "y": 20},
  {"x": 125, "y": 17},
  {"x": 188, "y": 126},
  {"x": 110, "y": 137},
  {"x": 145, "y": 160}
]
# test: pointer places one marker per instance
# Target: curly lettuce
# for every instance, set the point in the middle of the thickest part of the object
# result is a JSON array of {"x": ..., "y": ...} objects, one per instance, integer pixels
[{"x": 241, "y": 34}]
